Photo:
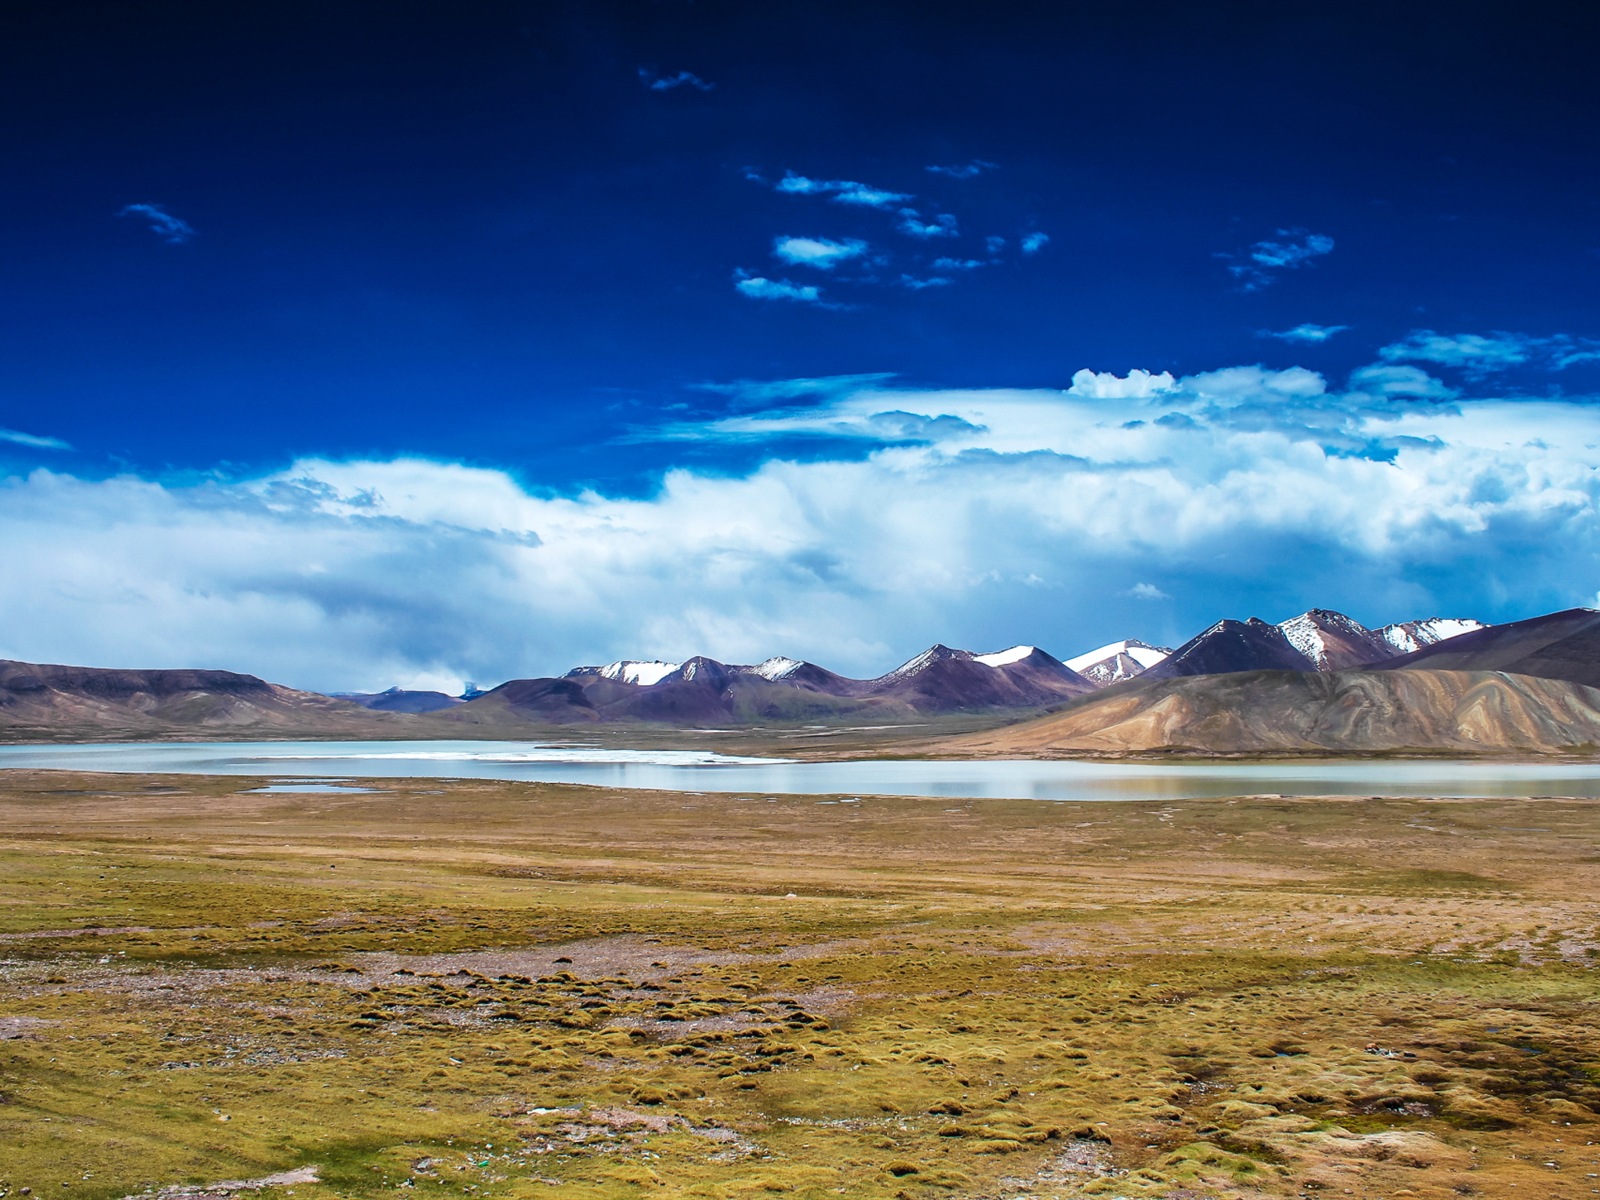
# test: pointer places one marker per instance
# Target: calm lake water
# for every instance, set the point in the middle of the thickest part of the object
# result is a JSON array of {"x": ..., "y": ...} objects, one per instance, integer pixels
[{"x": 329, "y": 763}]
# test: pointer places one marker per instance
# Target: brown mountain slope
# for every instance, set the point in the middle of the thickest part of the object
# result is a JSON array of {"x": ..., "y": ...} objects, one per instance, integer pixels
[
  {"x": 1295, "y": 712},
  {"x": 1561, "y": 645},
  {"x": 54, "y": 702}
]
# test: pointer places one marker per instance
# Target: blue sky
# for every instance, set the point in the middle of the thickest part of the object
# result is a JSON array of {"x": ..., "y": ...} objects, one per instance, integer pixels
[{"x": 353, "y": 344}]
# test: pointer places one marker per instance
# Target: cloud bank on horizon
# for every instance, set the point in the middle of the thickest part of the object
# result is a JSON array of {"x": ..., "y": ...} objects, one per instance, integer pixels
[{"x": 1138, "y": 505}]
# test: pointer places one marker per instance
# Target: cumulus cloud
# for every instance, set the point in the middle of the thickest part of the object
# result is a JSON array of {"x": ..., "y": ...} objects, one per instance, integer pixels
[
  {"x": 666, "y": 83},
  {"x": 32, "y": 440},
  {"x": 1296, "y": 248},
  {"x": 170, "y": 229},
  {"x": 825, "y": 253},
  {"x": 981, "y": 516},
  {"x": 1307, "y": 333},
  {"x": 968, "y": 170},
  {"x": 1032, "y": 243},
  {"x": 758, "y": 287}
]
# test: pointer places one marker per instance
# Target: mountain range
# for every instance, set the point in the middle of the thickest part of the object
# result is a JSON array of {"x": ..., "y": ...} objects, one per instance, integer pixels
[
  {"x": 939, "y": 680},
  {"x": 1319, "y": 682}
]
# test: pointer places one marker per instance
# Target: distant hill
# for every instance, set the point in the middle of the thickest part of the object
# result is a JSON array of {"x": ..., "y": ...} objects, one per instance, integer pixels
[
  {"x": 1231, "y": 689},
  {"x": 400, "y": 700},
  {"x": 779, "y": 691},
  {"x": 1300, "y": 712},
  {"x": 1563, "y": 645},
  {"x": 49, "y": 701}
]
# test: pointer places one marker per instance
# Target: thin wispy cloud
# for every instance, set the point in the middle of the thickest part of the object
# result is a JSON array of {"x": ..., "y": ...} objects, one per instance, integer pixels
[
  {"x": 759, "y": 287},
  {"x": 1477, "y": 355},
  {"x": 175, "y": 231},
  {"x": 32, "y": 440},
  {"x": 912, "y": 224},
  {"x": 1307, "y": 333},
  {"x": 768, "y": 393},
  {"x": 1147, "y": 591},
  {"x": 823, "y": 253},
  {"x": 858, "y": 263},
  {"x": 666, "y": 83},
  {"x": 840, "y": 191},
  {"x": 1295, "y": 248},
  {"x": 1392, "y": 381},
  {"x": 969, "y": 170}
]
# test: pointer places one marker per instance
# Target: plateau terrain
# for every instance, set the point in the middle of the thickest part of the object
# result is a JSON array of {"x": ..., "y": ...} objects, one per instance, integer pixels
[{"x": 468, "y": 989}]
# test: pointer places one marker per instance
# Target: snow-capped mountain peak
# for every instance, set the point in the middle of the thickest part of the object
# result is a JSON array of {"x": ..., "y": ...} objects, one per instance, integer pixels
[
  {"x": 641, "y": 673},
  {"x": 777, "y": 667},
  {"x": 1001, "y": 658},
  {"x": 1309, "y": 633},
  {"x": 924, "y": 660},
  {"x": 1117, "y": 661},
  {"x": 1142, "y": 653},
  {"x": 1410, "y": 636}
]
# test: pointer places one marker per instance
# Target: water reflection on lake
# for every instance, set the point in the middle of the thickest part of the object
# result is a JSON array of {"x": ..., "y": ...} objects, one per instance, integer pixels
[{"x": 702, "y": 771}]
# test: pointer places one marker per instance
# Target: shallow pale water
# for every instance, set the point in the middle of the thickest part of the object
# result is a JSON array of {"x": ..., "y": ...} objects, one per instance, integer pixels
[{"x": 702, "y": 771}]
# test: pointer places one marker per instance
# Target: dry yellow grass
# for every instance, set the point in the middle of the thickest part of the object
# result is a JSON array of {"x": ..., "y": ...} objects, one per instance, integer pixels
[{"x": 484, "y": 988}]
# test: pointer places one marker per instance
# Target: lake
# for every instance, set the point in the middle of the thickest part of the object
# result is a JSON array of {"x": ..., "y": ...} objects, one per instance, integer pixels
[{"x": 329, "y": 763}]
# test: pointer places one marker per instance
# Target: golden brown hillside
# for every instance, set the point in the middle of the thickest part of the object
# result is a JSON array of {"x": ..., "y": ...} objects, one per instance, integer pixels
[{"x": 1341, "y": 712}]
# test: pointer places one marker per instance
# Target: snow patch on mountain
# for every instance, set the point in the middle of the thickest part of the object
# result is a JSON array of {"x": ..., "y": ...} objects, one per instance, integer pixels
[
  {"x": 923, "y": 661},
  {"x": 1307, "y": 633},
  {"x": 1117, "y": 661},
  {"x": 641, "y": 673},
  {"x": 1001, "y": 658},
  {"x": 1142, "y": 653},
  {"x": 777, "y": 667},
  {"x": 1410, "y": 636}
]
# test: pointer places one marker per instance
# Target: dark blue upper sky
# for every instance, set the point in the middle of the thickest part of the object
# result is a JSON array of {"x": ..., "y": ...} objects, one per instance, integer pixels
[
  {"x": 362, "y": 343},
  {"x": 476, "y": 231}
]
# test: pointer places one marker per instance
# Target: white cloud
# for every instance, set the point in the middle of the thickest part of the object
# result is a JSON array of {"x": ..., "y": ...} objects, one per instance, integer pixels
[
  {"x": 1107, "y": 385},
  {"x": 959, "y": 264},
  {"x": 1479, "y": 355},
  {"x": 983, "y": 516},
  {"x": 1306, "y": 333},
  {"x": 1032, "y": 243},
  {"x": 912, "y": 225},
  {"x": 816, "y": 252},
  {"x": 916, "y": 284},
  {"x": 1147, "y": 591},
  {"x": 1298, "y": 248},
  {"x": 32, "y": 440},
  {"x": 173, "y": 230},
  {"x": 758, "y": 287},
  {"x": 1381, "y": 379},
  {"x": 842, "y": 191},
  {"x": 666, "y": 83},
  {"x": 1470, "y": 350},
  {"x": 969, "y": 170}
]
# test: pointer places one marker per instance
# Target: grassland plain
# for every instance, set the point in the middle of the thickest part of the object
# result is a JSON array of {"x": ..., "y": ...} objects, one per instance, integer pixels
[{"x": 495, "y": 989}]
